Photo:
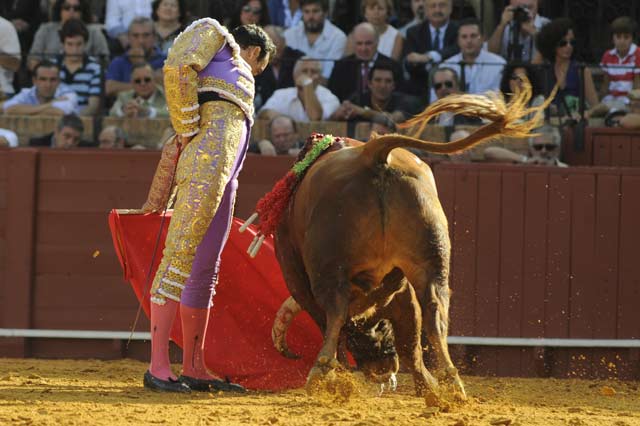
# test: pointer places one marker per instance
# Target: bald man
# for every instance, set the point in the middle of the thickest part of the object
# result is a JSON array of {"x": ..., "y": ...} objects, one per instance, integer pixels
[{"x": 350, "y": 74}]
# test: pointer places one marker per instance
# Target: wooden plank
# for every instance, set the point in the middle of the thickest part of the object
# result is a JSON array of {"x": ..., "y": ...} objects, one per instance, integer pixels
[
  {"x": 508, "y": 362},
  {"x": 635, "y": 151},
  {"x": 83, "y": 317},
  {"x": 605, "y": 282},
  {"x": 445, "y": 182},
  {"x": 582, "y": 256},
  {"x": 558, "y": 257},
  {"x": 3, "y": 191},
  {"x": 488, "y": 263},
  {"x": 582, "y": 300},
  {"x": 18, "y": 283},
  {"x": 91, "y": 257},
  {"x": 90, "y": 165},
  {"x": 90, "y": 197},
  {"x": 464, "y": 252},
  {"x": 89, "y": 232},
  {"x": 511, "y": 254},
  {"x": 629, "y": 266},
  {"x": 621, "y": 151},
  {"x": 3, "y": 223},
  {"x": 535, "y": 231},
  {"x": 488, "y": 250},
  {"x": 82, "y": 292},
  {"x": 601, "y": 150}
]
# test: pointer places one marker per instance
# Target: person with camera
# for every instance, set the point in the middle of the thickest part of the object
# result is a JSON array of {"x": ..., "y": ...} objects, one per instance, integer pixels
[{"x": 514, "y": 36}]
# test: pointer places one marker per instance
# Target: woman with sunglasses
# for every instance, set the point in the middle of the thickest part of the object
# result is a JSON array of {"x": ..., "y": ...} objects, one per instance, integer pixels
[
  {"x": 46, "y": 42},
  {"x": 169, "y": 18},
  {"x": 513, "y": 78},
  {"x": 251, "y": 12},
  {"x": 556, "y": 43}
]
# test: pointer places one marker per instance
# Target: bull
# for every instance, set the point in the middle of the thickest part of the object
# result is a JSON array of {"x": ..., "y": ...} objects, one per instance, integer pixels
[{"x": 364, "y": 246}]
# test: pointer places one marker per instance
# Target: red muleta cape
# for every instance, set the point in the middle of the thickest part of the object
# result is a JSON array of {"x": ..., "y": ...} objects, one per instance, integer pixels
[{"x": 249, "y": 293}]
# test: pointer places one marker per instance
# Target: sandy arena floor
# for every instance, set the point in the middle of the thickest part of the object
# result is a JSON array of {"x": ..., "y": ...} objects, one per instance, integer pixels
[{"x": 44, "y": 392}]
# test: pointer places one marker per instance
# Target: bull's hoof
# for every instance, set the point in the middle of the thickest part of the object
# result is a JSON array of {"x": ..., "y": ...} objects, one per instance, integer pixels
[
  {"x": 432, "y": 399},
  {"x": 316, "y": 381},
  {"x": 453, "y": 377},
  {"x": 327, "y": 378}
]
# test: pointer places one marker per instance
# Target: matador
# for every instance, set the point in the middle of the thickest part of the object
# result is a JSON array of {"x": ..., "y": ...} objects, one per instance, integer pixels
[{"x": 209, "y": 84}]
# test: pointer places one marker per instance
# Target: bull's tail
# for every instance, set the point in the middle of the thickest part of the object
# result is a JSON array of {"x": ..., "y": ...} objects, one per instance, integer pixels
[{"x": 506, "y": 120}]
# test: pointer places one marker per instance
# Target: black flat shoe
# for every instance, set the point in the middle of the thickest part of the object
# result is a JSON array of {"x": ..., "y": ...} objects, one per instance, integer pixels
[
  {"x": 204, "y": 385},
  {"x": 153, "y": 383}
]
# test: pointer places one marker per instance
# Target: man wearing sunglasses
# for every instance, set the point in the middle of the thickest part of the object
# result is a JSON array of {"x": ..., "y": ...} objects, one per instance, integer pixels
[
  {"x": 444, "y": 82},
  {"x": 544, "y": 150},
  {"x": 145, "y": 100}
]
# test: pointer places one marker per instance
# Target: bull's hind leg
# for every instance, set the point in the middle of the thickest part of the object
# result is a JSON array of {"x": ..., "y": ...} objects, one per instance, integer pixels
[{"x": 430, "y": 279}]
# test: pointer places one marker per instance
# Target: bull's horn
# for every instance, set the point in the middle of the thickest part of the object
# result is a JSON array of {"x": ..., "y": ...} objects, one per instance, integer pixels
[
  {"x": 248, "y": 222},
  {"x": 284, "y": 317}
]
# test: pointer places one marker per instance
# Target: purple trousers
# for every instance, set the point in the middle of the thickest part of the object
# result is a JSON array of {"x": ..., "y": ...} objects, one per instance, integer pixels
[{"x": 200, "y": 286}]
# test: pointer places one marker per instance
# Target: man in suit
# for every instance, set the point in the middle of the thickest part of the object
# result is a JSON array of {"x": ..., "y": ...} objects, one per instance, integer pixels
[
  {"x": 350, "y": 75},
  {"x": 430, "y": 43}
]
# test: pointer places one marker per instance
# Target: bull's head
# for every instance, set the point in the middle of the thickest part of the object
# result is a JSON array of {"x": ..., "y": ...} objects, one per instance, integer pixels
[{"x": 374, "y": 351}]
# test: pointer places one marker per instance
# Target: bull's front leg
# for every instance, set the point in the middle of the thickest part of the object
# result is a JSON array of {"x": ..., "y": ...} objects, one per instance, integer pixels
[{"x": 333, "y": 297}]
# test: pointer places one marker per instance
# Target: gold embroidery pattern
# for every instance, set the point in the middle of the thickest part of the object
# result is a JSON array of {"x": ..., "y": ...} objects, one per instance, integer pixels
[
  {"x": 192, "y": 51},
  {"x": 204, "y": 170},
  {"x": 242, "y": 96}
]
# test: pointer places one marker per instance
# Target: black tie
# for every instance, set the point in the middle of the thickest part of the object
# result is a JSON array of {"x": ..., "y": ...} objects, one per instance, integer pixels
[{"x": 436, "y": 40}]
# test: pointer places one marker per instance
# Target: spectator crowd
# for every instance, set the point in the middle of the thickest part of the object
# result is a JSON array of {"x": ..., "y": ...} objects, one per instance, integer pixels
[{"x": 338, "y": 63}]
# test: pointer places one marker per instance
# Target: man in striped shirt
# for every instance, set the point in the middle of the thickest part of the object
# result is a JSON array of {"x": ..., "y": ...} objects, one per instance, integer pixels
[
  {"x": 621, "y": 64},
  {"x": 77, "y": 70}
]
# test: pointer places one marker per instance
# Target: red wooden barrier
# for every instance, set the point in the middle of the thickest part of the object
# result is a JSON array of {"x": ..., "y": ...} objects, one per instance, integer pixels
[
  {"x": 537, "y": 252},
  {"x": 563, "y": 259},
  {"x": 603, "y": 146}
]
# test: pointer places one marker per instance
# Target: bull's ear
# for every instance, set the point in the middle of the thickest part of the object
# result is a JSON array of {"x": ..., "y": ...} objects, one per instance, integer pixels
[{"x": 373, "y": 135}]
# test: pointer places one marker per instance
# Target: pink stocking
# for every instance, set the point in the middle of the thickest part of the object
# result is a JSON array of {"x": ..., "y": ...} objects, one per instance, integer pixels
[
  {"x": 162, "y": 317},
  {"x": 194, "y": 328}
]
